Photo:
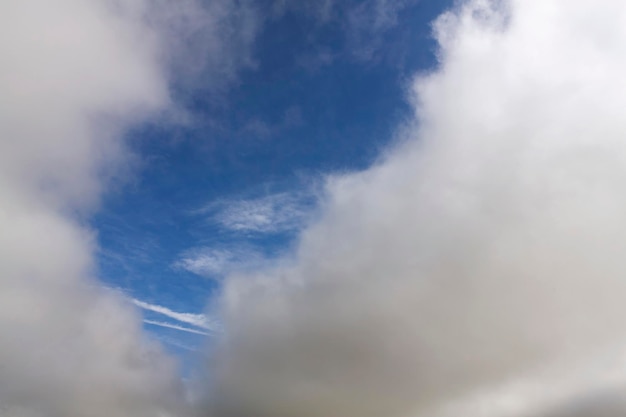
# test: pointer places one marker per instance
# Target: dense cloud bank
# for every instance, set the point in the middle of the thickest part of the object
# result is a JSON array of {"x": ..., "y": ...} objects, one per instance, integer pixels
[
  {"x": 478, "y": 269},
  {"x": 74, "y": 75}
]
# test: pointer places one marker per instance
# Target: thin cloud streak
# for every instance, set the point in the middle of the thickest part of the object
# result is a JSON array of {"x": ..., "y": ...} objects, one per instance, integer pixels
[
  {"x": 198, "y": 320},
  {"x": 175, "y": 327}
]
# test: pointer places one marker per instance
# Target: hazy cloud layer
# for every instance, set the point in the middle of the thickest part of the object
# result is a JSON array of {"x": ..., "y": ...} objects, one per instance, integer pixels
[
  {"x": 478, "y": 270},
  {"x": 74, "y": 75},
  {"x": 208, "y": 42}
]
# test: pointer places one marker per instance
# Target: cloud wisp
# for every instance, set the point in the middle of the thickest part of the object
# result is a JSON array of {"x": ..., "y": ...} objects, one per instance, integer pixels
[
  {"x": 168, "y": 325},
  {"x": 275, "y": 213},
  {"x": 216, "y": 263},
  {"x": 198, "y": 320},
  {"x": 481, "y": 259}
]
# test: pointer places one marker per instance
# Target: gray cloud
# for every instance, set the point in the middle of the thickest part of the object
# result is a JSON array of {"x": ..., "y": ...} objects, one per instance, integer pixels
[
  {"x": 208, "y": 42},
  {"x": 74, "y": 75},
  {"x": 477, "y": 270}
]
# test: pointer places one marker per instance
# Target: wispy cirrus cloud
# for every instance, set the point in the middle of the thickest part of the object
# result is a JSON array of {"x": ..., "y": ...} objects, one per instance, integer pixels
[
  {"x": 275, "y": 213},
  {"x": 218, "y": 262},
  {"x": 175, "y": 327},
  {"x": 198, "y": 320}
]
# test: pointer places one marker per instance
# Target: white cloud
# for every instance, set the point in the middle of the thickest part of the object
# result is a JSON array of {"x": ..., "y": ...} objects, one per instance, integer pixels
[
  {"x": 175, "y": 327},
  {"x": 199, "y": 320},
  {"x": 216, "y": 263},
  {"x": 484, "y": 257},
  {"x": 274, "y": 213},
  {"x": 74, "y": 75}
]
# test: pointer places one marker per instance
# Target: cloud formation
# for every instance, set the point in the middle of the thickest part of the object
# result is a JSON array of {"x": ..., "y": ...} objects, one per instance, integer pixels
[
  {"x": 218, "y": 262},
  {"x": 477, "y": 270},
  {"x": 207, "y": 42},
  {"x": 198, "y": 320},
  {"x": 274, "y": 213},
  {"x": 74, "y": 75},
  {"x": 175, "y": 327}
]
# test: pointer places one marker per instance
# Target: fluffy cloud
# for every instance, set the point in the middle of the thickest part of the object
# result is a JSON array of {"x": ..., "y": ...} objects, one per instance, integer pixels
[
  {"x": 478, "y": 269},
  {"x": 74, "y": 75}
]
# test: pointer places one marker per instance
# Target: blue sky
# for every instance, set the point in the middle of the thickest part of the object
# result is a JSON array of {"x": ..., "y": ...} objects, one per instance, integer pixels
[{"x": 323, "y": 92}]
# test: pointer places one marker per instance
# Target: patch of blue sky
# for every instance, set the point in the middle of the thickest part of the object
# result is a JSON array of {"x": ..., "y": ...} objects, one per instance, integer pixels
[{"x": 233, "y": 188}]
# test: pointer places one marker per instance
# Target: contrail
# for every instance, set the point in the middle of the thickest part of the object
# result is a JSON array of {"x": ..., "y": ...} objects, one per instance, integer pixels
[{"x": 176, "y": 327}]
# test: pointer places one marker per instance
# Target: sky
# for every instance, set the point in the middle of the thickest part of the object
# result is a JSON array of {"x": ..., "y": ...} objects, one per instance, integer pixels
[
  {"x": 297, "y": 208},
  {"x": 232, "y": 188}
]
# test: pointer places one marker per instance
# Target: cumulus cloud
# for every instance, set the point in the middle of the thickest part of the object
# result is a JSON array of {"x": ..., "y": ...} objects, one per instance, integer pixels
[
  {"x": 477, "y": 270},
  {"x": 74, "y": 75}
]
